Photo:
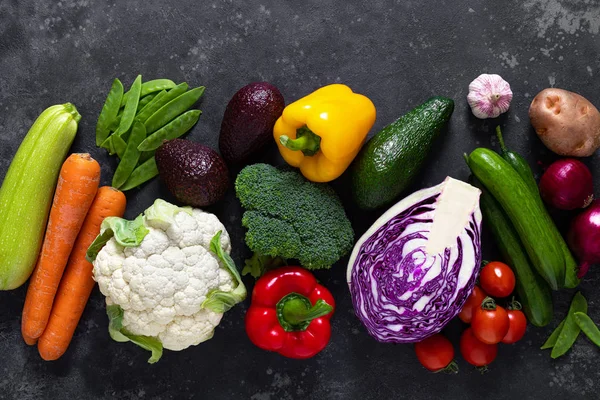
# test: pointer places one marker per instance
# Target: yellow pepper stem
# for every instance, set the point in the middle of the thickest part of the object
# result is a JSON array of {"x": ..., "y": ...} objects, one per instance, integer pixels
[{"x": 306, "y": 141}]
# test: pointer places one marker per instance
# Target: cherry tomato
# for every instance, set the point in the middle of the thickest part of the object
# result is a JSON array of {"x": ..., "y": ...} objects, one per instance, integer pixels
[
  {"x": 473, "y": 302},
  {"x": 517, "y": 326},
  {"x": 497, "y": 279},
  {"x": 435, "y": 353},
  {"x": 490, "y": 325},
  {"x": 475, "y": 352}
]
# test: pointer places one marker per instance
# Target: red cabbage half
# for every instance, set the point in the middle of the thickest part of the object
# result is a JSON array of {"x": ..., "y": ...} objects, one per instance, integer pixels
[{"x": 412, "y": 271}]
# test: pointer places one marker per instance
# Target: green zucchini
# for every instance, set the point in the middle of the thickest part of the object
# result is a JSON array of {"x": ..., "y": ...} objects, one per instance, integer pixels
[
  {"x": 520, "y": 165},
  {"x": 534, "y": 294},
  {"x": 27, "y": 191},
  {"x": 530, "y": 222}
]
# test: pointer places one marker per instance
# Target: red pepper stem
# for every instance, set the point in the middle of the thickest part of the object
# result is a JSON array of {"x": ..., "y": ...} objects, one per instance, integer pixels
[
  {"x": 306, "y": 141},
  {"x": 295, "y": 311}
]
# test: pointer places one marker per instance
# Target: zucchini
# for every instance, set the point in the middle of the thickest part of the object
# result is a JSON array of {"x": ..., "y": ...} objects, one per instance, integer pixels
[
  {"x": 534, "y": 294},
  {"x": 27, "y": 191},
  {"x": 533, "y": 227},
  {"x": 520, "y": 165}
]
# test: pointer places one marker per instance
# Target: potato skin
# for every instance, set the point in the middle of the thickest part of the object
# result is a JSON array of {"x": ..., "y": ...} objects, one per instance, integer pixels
[{"x": 566, "y": 122}]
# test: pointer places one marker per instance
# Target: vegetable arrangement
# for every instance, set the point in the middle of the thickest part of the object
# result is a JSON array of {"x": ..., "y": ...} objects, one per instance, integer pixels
[{"x": 168, "y": 277}]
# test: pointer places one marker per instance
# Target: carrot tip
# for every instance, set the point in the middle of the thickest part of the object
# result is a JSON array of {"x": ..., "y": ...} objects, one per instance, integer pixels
[{"x": 29, "y": 340}]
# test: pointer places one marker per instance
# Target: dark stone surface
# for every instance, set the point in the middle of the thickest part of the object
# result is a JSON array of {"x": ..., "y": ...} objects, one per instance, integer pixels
[{"x": 396, "y": 52}]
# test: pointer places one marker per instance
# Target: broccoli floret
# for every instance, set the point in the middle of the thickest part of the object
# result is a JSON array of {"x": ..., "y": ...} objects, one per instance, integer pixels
[{"x": 292, "y": 218}]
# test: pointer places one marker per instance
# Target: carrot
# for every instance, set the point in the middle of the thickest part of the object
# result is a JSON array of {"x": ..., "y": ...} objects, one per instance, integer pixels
[
  {"x": 77, "y": 283},
  {"x": 77, "y": 185}
]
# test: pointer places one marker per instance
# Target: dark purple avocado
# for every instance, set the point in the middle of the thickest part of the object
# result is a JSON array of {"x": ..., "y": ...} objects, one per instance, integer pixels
[
  {"x": 248, "y": 121},
  {"x": 195, "y": 174}
]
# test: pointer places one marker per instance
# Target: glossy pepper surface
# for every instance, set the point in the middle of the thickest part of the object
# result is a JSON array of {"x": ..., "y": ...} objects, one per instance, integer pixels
[
  {"x": 322, "y": 133},
  {"x": 290, "y": 313}
]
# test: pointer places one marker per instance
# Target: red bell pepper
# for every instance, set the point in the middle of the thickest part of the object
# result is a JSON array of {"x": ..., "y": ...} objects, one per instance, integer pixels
[{"x": 290, "y": 313}]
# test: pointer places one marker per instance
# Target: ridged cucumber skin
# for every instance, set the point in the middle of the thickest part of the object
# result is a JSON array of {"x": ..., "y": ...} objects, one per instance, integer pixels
[
  {"x": 27, "y": 191},
  {"x": 388, "y": 163},
  {"x": 529, "y": 221},
  {"x": 522, "y": 167},
  {"x": 534, "y": 294}
]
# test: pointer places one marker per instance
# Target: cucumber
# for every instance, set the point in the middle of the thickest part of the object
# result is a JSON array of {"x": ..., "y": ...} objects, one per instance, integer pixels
[
  {"x": 530, "y": 222},
  {"x": 534, "y": 294},
  {"x": 520, "y": 165},
  {"x": 27, "y": 191}
]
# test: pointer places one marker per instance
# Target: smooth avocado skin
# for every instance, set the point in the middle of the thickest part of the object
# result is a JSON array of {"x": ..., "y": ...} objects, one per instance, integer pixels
[
  {"x": 389, "y": 162},
  {"x": 195, "y": 174},
  {"x": 248, "y": 121}
]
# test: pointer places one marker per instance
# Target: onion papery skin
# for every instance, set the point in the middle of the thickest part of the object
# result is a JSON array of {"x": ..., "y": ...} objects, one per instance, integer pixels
[{"x": 401, "y": 294}]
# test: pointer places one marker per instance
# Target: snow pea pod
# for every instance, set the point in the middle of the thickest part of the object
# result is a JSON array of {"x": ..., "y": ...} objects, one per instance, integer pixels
[
  {"x": 152, "y": 86},
  {"x": 144, "y": 172},
  {"x": 115, "y": 124},
  {"x": 588, "y": 327},
  {"x": 172, "y": 109},
  {"x": 130, "y": 106},
  {"x": 131, "y": 155},
  {"x": 172, "y": 130},
  {"x": 553, "y": 337},
  {"x": 149, "y": 108},
  {"x": 109, "y": 112},
  {"x": 146, "y": 155},
  {"x": 570, "y": 330},
  {"x": 143, "y": 101},
  {"x": 159, "y": 103},
  {"x": 115, "y": 144}
]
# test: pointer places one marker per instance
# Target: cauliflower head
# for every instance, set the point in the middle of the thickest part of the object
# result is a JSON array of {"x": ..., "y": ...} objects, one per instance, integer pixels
[{"x": 169, "y": 272}]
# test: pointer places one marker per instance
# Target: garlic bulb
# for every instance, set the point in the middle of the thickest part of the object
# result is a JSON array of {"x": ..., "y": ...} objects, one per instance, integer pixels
[{"x": 489, "y": 96}]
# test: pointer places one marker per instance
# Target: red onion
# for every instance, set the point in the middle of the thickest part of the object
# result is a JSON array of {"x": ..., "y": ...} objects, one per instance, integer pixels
[
  {"x": 567, "y": 185},
  {"x": 584, "y": 237}
]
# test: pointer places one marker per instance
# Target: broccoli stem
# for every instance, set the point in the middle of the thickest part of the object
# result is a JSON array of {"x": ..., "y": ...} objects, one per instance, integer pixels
[{"x": 306, "y": 141}]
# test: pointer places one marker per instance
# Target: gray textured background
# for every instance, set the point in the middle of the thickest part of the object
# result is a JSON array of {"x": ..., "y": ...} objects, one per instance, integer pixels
[{"x": 396, "y": 52}]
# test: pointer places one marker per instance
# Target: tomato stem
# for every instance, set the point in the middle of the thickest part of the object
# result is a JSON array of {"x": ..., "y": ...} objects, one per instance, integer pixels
[
  {"x": 488, "y": 304},
  {"x": 514, "y": 305},
  {"x": 451, "y": 368}
]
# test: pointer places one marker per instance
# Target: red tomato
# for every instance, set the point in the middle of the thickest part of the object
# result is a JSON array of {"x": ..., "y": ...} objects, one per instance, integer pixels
[
  {"x": 497, "y": 279},
  {"x": 473, "y": 302},
  {"x": 517, "y": 326},
  {"x": 490, "y": 326},
  {"x": 435, "y": 353},
  {"x": 475, "y": 352}
]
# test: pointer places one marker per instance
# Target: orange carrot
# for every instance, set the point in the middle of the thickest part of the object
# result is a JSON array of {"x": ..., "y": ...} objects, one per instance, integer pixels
[
  {"x": 77, "y": 185},
  {"x": 77, "y": 283}
]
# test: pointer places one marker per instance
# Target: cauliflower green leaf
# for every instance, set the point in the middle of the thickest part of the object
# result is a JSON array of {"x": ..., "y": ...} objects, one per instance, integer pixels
[
  {"x": 120, "y": 334},
  {"x": 218, "y": 300},
  {"x": 126, "y": 233}
]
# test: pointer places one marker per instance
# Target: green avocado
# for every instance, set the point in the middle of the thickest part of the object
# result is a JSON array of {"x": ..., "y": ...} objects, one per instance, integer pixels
[{"x": 389, "y": 162}]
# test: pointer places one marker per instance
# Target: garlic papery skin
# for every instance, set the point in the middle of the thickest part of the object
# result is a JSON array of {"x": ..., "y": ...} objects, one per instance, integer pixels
[{"x": 489, "y": 96}]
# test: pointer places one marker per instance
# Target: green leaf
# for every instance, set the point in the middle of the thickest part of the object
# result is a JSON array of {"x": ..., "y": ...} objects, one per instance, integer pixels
[
  {"x": 258, "y": 264},
  {"x": 120, "y": 334},
  {"x": 217, "y": 300},
  {"x": 126, "y": 233},
  {"x": 163, "y": 212}
]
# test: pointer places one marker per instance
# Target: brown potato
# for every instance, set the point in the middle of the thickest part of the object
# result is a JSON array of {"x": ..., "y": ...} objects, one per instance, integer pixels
[{"x": 566, "y": 122}]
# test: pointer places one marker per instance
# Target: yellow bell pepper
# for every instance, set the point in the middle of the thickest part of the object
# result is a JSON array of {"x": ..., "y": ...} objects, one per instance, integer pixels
[{"x": 323, "y": 132}]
